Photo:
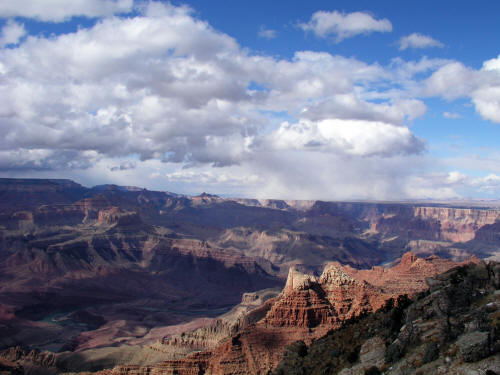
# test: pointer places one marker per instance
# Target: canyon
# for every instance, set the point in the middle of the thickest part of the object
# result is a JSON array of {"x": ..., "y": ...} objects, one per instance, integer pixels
[
  {"x": 308, "y": 308},
  {"x": 107, "y": 277}
]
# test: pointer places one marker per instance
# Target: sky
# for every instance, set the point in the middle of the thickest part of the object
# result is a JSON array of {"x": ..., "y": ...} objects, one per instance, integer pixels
[{"x": 333, "y": 100}]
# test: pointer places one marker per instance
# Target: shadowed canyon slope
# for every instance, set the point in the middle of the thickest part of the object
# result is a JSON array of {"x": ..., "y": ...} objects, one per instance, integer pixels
[
  {"x": 107, "y": 271},
  {"x": 307, "y": 309}
]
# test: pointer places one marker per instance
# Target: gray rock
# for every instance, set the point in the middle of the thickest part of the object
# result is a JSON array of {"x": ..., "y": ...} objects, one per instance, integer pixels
[
  {"x": 434, "y": 284},
  {"x": 495, "y": 268},
  {"x": 474, "y": 346}
]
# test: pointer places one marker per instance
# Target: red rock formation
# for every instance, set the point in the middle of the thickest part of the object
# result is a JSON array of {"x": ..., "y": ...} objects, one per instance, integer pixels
[
  {"x": 303, "y": 304},
  {"x": 114, "y": 215},
  {"x": 307, "y": 308},
  {"x": 431, "y": 223},
  {"x": 458, "y": 224},
  {"x": 408, "y": 276}
]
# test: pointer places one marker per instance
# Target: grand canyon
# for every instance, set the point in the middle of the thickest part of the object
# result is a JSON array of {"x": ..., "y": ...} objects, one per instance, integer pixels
[
  {"x": 123, "y": 280},
  {"x": 260, "y": 187}
]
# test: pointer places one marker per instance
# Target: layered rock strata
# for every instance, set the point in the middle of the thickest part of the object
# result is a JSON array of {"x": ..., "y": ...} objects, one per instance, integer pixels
[{"x": 307, "y": 309}]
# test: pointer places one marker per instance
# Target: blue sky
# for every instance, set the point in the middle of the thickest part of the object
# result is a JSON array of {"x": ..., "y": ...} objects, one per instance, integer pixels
[
  {"x": 467, "y": 29},
  {"x": 306, "y": 100}
]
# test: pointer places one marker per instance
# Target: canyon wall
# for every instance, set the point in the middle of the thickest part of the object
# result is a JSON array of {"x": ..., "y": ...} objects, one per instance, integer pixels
[{"x": 307, "y": 309}]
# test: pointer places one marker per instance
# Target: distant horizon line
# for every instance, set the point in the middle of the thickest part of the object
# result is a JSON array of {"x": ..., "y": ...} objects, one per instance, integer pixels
[{"x": 457, "y": 200}]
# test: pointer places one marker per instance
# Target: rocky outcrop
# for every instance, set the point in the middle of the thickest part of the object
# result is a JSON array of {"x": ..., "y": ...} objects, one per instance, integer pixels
[
  {"x": 138, "y": 279},
  {"x": 433, "y": 223},
  {"x": 451, "y": 329},
  {"x": 25, "y": 194},
  {"x": 253, "y": 307},
  {"x": 303, "y": 304},
  {"x": 458, "y": 224},
  {"x": 307, "y": 309},
  {"x": 36, "y": 357},
  {"x": 489, "y": 233},
  {"x": 114, "y": 215},
  {"x": 474, "y": 346},
  {"x": 160, "y": 256},
  {"x": 371, "y": 355}
]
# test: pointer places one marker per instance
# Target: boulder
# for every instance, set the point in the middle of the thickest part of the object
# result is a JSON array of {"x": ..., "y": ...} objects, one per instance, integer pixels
[{"x": 474, "y": 346}]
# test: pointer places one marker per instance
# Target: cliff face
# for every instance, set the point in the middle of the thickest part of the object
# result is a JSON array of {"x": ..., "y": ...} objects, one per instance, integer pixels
[
  {"x": 458, "y": 224},
  {"x": 284, "y": 233},
  {"x": 144, "y": 262},
  {"x": 451, "y": 329},
  {"x": 253, "y": 307},
  {"x": 434, "y": 223},
  {"x": 307, "y": 309},
  {"x": 303, "y": 304},
  {"x": 383, "y": 228},
  {"x": 135, "y": 278}
]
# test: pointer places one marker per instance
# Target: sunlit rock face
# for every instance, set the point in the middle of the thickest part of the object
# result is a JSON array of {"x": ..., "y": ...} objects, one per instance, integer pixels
[{"x": 307, "y": 309}]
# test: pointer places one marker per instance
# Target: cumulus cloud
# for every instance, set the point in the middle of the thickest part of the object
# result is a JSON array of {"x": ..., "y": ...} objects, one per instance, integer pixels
[
  {"x": 163, "y": 97},
  {"x": 266, "y": 33},
  {"x": 417, "y": 40},
  {"x": 344, "y": 25},
  {"x": 62, "y": 10},
  {"x": 346, "y": 137},
  {"x": 164, "y": 85},
  {"x": 489, "y": 183},
  {"x": 154, "y": 86},
  {"x": 454, "y": 80},
  {"x": 350, "y": 106},
  {"x": 486, "y": 96},
  {"x": 11, "y": 33}
]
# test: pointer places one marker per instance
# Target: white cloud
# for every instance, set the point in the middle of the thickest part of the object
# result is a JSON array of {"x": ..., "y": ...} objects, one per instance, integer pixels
[
  {"x": 62, "y": 10},
  {"x": 163, "y": 98},
  {"x": 169, "y": 87},
  {"x": 405, "y": 70},
  {"x": 154, "y": 86},
  {"x": 453, "y": 184},
  {"x": 430, "y": 186},
  {"x": 486, "y": 96},
  {"x": 454, "y": 80},
  {"x": 211, "y": 177},
  {"x": 344, "y": 25},
  {"x": 492, "y": 64},
  {"x": 417, "y": 40},
  {"x": 11, "y": 33},
  {"x": 489, "y": 183},
  {"x": 487, "y": 101},
  {"x": 485, "y": 163},
  {"x": 346, "y": 137},
  {"x": 266, "y": 33},
  {"x": 455, "y": 177},
  {"x": 352, "y": 106},
  {"x": 451, "y": 81},
  {"x": 320, "y": 175},
  {"x": 450, "y": 185}
]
